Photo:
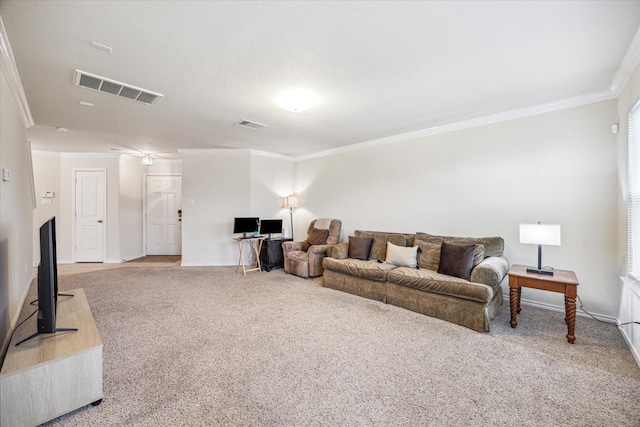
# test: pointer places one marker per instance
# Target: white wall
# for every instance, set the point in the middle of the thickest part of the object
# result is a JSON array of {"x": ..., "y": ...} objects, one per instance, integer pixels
[
  {"x": 131, "y": 195},
  {"x": 46, "y": 172},
  {"x": 556, "y": 168},
  {"x": 223, "y": 184},
  {"x": 16, "y": 215},
  {"x": 271, "y": 181}
]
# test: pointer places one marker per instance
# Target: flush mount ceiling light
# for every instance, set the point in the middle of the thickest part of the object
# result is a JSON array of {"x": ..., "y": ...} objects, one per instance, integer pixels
[
  {"x": 62, "y": 129},
  {"x": 112, "y": 87},
  {"x": 147, "y": 160},
  {"x": 297, "y": 100}
]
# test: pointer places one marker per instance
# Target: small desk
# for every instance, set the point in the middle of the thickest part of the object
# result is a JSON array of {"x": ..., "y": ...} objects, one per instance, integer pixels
[
  {"x": 562, "y": 281},
  {"x": 255, "y": 243}
]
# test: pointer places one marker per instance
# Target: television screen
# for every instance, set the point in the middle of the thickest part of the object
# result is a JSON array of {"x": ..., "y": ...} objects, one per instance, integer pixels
[
  {"x": 47, "y": 278},
  {"x": 245, "y": 225},
  {"x": 270, "y": 226}
]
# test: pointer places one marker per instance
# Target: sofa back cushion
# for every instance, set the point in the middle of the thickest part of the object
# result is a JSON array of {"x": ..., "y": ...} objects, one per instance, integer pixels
[
  {"x": 380, "y": 239},
  {"x": 493, "y": 246}
]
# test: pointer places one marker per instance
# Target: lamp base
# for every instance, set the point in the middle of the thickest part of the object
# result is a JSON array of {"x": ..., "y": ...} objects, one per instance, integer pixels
[{"x": 540, "y": 271}]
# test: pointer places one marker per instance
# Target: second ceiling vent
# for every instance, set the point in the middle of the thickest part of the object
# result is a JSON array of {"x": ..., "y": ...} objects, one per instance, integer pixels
[{"x": 101, "y": 84}]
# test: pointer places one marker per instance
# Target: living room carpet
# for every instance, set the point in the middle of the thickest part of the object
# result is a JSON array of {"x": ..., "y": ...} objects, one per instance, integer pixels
[{"x": 205, "y": 346}]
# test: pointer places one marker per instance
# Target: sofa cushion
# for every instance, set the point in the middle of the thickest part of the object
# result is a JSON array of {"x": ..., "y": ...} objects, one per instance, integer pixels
[
  {"x": 493, "y": 246},
  {"x": 360, "y": 247},
  {"x": 380, "y": 239},
  {"x": 431, "y": 281},
  {"x": 372, "y": 269},
  {"x": 402, "y": 256},
  {"x": 456, "y": 260}
]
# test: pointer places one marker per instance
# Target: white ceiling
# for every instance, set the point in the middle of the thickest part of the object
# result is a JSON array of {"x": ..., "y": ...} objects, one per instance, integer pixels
[{"x": 380, "y": 68}]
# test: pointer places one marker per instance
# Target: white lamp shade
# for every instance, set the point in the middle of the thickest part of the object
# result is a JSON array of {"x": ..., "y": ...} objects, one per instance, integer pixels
[
  {"x": 292, "y": 202},
  {"x": 540, "y": 234}
]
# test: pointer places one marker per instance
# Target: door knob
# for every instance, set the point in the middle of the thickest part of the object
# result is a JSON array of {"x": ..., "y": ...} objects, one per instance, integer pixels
[{"x": 99, "y": 221}]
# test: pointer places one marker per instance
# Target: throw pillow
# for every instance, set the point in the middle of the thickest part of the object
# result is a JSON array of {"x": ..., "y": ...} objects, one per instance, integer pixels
[
  {"x": 456, "y": 260},
  {"x": 359, "y": 247},
  {"x": 318, "y": 237},
  {"x": 429, "y": 258},
  {"x": 402, "y": 256}
]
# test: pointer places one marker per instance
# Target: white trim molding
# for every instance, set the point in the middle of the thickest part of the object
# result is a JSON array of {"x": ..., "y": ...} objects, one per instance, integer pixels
[
  {"x": 10, "y": 70},
  {"x": 628, "y": 64},
  {"x": 535, "y": 110},
  {"x": 251, "y": 152}
]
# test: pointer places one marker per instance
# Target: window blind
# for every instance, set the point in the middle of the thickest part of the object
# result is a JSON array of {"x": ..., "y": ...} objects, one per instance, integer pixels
[{"x": 633, "y": 199}]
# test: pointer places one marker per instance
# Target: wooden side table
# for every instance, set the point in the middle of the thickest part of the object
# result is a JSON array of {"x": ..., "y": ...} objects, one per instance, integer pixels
[{"x": 562, "y": 281}]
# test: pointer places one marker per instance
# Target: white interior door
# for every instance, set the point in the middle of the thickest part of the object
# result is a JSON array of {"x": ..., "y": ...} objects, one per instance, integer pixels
[
  {"x": 164, "y": 226},
  {"x": 90, "y": 203}
]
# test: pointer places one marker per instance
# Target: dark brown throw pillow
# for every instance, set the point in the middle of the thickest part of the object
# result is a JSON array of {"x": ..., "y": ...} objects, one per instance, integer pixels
[
  {"x": 359, "y": 247},
  {"x": 456, "y": 260},
  {"x": 318, "y": 237}
]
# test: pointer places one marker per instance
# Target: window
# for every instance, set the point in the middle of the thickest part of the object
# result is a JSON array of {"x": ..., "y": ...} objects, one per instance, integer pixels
[{"x": 633, "y": 193}]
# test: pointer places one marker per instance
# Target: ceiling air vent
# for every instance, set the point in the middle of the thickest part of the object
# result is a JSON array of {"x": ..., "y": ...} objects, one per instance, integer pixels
[
  {"x": 250, "y": 125},
  {"x": 101, "y": 84}
]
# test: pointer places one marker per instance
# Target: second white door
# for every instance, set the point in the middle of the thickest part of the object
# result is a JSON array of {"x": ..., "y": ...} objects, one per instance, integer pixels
[{"x": 164, "y": 227}]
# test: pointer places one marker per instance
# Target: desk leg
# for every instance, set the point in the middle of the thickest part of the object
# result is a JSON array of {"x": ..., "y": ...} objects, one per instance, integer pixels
[
  {"x": 514, "y": 300},
  {"x": 570, "y": 306}
]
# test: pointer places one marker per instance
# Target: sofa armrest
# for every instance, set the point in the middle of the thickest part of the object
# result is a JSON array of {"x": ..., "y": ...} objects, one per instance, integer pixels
[
  {"x": 291, "y": 246},
  {"x": 339, "y": 251},
  {"x": 316, "y": 253},
  {"x": 490, "y": 271}
]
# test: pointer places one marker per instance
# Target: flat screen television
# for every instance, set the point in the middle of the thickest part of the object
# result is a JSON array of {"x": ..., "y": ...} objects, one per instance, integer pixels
[
  {"x": 47, "y": 282},
  {"x": 270, "y": 226},
  {"x": 47, "y": 278},
  {"x": 245, "y": 225}
]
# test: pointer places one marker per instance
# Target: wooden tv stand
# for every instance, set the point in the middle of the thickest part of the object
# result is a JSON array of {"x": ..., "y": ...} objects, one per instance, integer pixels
[{"x": 52, "y": 374}]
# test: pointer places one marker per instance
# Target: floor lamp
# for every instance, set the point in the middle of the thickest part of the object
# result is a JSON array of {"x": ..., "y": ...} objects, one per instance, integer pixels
[{"x": 292, "y": 203}]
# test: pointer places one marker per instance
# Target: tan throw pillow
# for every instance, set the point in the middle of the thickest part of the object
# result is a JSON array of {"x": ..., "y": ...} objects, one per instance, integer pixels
[
  {"x": 402, "y": 256},
  {"x": 456, "y": 260},
  {"x": 429, "y": 258},
  {"x": 359, "y": 247},
  {"x": 478, "y": 255}
]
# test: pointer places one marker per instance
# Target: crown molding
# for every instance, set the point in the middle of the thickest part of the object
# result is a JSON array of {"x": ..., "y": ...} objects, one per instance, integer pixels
[
  {"x": 250, "y": 152},
  {"x": 471, "y": 123},
  {"x": 10, "y": 70},
  {"x": 627, "y": 66},
  {"x": 90, "y": 155},
  {"x": 42, "y": 153}
]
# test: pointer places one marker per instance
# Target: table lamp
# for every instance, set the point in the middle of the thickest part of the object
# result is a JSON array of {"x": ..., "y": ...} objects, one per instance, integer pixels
[{"x": 540, "y": 234}]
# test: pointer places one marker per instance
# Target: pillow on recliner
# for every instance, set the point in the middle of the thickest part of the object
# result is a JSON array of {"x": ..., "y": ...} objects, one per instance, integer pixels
[
  {"x": 315, "y": 237},
  {"x": 456, "y": 260},
  {"x": 359, "y": 247}
]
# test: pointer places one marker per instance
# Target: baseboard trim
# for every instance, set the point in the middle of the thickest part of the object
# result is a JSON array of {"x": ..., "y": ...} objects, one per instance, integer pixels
[{"x": 551, "y": 307}]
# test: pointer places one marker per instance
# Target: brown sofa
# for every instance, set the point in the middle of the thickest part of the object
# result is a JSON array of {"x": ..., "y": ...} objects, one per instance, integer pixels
[{"x": 471, "y": 303}]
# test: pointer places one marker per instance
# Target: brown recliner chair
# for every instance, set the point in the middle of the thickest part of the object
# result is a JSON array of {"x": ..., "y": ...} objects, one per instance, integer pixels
[{"x": 304, "y": 258}]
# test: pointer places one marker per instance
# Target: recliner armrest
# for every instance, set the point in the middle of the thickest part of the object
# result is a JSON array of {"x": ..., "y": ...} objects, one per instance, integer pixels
[
  {"x": 291, "y": 246},
  {"x": 490, "y": 271}
]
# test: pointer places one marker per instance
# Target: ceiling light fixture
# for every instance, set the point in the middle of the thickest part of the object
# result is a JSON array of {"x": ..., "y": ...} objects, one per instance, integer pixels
[
  {"x": 298, "y": 100},
  {"x": 86, "y": 104},
  {"x": 61, "y": 129},
  {"x": 147, "y": 160}
]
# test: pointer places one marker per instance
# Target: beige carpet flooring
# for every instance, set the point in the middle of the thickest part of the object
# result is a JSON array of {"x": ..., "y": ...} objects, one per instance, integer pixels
[{"x": 200, "y": 346}]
